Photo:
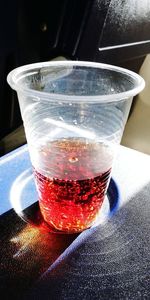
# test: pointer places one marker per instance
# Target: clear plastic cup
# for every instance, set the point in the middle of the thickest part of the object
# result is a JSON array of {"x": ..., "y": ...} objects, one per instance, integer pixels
[{"x": 74, "y": 114}]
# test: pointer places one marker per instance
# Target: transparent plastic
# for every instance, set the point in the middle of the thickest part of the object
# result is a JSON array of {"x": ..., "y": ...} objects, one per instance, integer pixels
[{"x": 74, "y": 114}]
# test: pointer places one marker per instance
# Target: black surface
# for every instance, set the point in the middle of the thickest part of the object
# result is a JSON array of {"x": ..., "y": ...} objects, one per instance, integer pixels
[
  {"x": 28, "y": 249},
  {"x": 111, "y": 261}
]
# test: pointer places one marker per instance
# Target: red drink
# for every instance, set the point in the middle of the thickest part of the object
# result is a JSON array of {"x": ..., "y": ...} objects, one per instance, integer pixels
[{"x": 73, "y": 184}]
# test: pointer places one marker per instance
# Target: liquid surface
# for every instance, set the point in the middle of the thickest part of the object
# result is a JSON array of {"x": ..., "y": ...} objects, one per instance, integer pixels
[{"x": 72, "y": 183}]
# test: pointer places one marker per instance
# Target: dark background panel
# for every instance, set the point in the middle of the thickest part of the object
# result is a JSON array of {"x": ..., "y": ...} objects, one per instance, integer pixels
[{"x": 32, "y": 31}]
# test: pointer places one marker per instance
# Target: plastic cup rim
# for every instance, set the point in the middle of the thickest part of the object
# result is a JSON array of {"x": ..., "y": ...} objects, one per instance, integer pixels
[{"x": 13, "y": 80}]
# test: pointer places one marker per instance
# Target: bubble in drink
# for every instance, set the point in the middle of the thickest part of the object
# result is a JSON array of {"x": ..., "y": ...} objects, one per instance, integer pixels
[{"x": 73, "y": 187}]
